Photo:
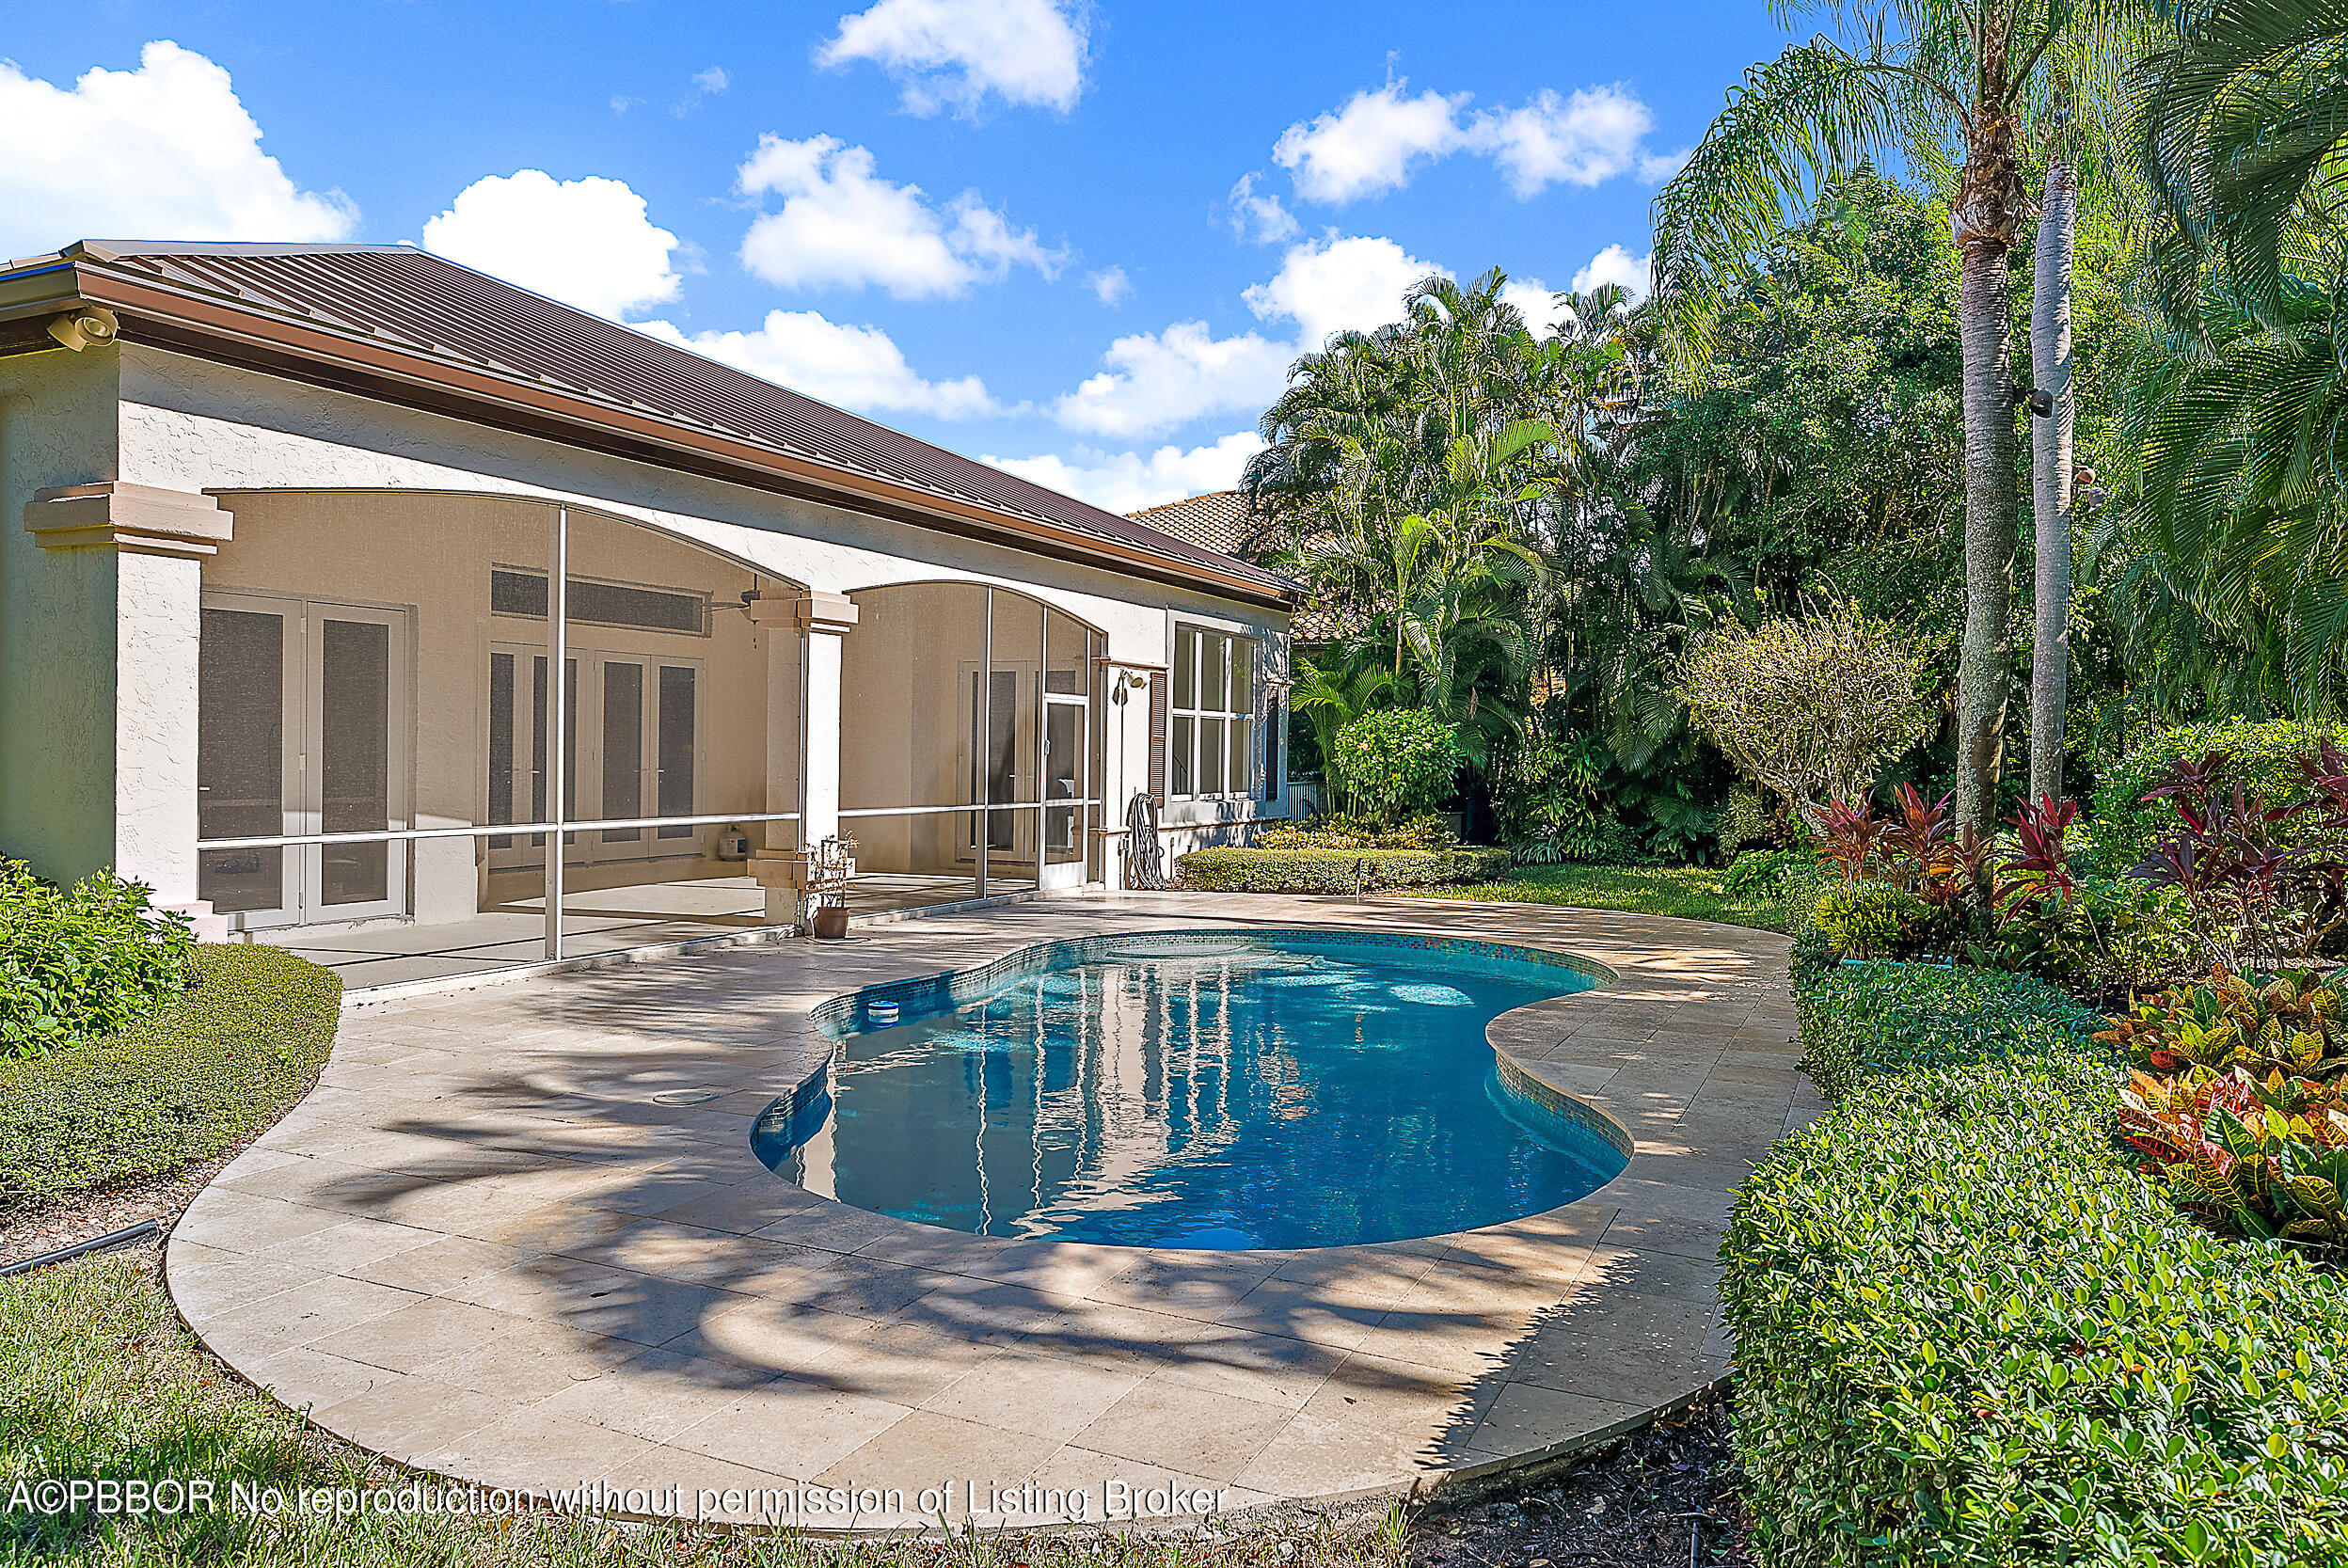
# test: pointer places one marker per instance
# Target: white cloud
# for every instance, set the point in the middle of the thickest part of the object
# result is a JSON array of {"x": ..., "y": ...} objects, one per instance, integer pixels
[
  {"x": 1615, "y": 264},
  {"x": 1377, "y": 141},
  {"x": 842, "y": 226},
  {"x": 1370, "y": 145},
  {"x": 712, "y": 80},
  {"x": 1584, "y": 140},
  {"x": 1339, "y": 285},
  {"x": 1127, "y": 482},
  {"x": 584, "y": 241},
  {"x": 1261, "y": 218},
  {"x": 165, "y": 151},
  {"x": 1656, "y": 168},
  {"x": 952, "y": 54},
  {"x": 859, "y": 367},
  {"x": 1110, "y": 285},
  {"x": 1159, "y": 380},
  {"x": 1534, "y": 300}
]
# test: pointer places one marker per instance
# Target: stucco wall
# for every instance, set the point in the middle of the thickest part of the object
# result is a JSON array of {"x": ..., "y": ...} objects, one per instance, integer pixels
[
  {"x": 187, "y": 424},
  {"x": 57, "y": 622}
]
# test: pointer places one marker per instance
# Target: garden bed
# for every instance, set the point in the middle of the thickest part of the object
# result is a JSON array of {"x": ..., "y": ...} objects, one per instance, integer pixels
[
  {"x": 220, "y": 1062},
  {"x": 1968, "y": 1331}
]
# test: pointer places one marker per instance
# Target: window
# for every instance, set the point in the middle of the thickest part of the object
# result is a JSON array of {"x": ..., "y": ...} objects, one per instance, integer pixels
[
  {"x": 513, "y": 592},
  {"x": 1214, "y": 713}
]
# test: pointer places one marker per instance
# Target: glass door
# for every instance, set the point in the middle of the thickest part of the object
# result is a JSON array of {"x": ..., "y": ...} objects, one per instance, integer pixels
[
  {"x": 519, "y": 700},
  {"x": 357, "y": 760},
  {"x": 997, "y": 723},
  {"x": 302, "y": 726},
  {"x": 1067, "y": 751},
  {"x": 248, "y": 774}
]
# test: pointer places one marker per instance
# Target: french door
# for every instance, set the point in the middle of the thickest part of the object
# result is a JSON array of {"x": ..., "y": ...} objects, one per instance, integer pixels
[
  {"x": 632, "y": 751},
  {"x": 302, "y": 728}
]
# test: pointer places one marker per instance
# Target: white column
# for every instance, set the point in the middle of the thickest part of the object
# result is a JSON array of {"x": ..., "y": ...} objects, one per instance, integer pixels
[
  {"x": 154, "y": 542},
  {"x": 815, "y": 621},
  {"x": 825, "y": 619}
]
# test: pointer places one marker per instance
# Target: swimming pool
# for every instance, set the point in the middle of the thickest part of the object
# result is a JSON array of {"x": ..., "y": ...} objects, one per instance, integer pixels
[{"x": 1280, "y": 1090}]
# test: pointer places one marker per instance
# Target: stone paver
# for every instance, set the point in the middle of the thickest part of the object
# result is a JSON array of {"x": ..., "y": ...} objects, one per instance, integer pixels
[{"x": 483, "y": 1249}]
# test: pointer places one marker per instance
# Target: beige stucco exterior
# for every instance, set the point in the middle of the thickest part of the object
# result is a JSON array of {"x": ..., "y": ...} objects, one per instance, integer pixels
[{"x": 341, "y": 498}]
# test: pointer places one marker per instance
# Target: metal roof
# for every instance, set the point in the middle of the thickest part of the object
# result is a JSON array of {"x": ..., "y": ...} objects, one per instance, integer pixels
[{"x": 427, "y": 309}]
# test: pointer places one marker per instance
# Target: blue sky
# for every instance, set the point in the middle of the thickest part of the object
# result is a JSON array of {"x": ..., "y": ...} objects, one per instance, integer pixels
[{"x": 1082, "y": 240}]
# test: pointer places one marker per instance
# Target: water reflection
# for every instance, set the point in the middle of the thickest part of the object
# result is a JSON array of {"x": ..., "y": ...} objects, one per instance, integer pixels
[{"x": 1268, "y": 1093}]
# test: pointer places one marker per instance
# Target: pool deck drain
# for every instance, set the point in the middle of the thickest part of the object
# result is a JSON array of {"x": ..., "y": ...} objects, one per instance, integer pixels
[{"x": 490, "y": 1247}]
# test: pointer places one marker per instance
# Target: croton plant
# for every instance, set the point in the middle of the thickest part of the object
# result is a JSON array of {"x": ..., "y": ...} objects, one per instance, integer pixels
[{"x": 2237, "y": 1102}]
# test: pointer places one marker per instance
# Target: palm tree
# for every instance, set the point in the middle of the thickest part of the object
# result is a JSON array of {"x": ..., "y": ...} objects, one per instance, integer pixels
[
  {"x": 2243, "y": 410},
  {"x": 1364, "y": 423},
  {"x": 1925, "y": 76},
  {"x": 2054, "y": 415},
  {"x": 1447, "y": 580}
]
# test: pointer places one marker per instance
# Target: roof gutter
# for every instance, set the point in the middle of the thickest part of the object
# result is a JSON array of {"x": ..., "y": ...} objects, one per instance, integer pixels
[{"x": 187, "y": 323}]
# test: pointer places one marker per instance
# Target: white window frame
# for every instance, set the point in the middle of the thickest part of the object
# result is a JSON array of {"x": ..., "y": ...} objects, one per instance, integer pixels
[{"x": 1241, "y": 720}]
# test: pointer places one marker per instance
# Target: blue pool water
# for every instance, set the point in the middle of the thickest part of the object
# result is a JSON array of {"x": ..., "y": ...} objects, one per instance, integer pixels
[{"x": 1290, "y": 1089}]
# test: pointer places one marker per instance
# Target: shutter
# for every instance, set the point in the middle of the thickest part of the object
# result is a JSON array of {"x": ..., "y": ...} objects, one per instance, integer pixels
[
  {"x": 1274, "y": 743},
  {"x": 1159, "y": 693}
]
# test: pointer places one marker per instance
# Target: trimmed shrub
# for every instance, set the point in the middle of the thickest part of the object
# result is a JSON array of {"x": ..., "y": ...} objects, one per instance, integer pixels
[
  {"x": 219, "y": 1063},
  {"x": 1427, "y": 832},
  {"x": 1967, "y": 1332},
  {"x": 91, "y": 959},
  {"x": 1862, "y": 1020},
  {"x": 2266, "y": 757},
  {"x": 1871, "y": 919},
  {"x": 1396, "y": 763},
  {"x": 1237, "y": 870}
]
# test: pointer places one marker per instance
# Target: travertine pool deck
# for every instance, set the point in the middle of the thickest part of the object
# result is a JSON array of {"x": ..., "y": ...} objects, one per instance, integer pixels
[{"x": 484, "y": 1248}]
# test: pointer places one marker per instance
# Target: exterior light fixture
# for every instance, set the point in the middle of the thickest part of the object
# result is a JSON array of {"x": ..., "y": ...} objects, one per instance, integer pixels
[{"x": 78, "y": 329}]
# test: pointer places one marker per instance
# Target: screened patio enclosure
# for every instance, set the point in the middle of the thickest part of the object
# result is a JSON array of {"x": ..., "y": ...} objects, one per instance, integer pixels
[
  {"x": 394, "y": 781},
  {"x": 391, "y": 778},
  {"x": 969, "y": 763}
]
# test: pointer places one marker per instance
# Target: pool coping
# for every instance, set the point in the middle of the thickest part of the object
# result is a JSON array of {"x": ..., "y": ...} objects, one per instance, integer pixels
[{"x": 409, "y": 1254}]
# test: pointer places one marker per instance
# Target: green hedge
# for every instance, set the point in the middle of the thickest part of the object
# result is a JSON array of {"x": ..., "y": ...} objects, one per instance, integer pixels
[
  {"x": 218, "y": 1064},
  {"x": 1967, "y": 1332},
  {"x": 1860, "y": 1021},
  {"x": 1238, "y": 870},
  {"x": 2266, "y": 758}
]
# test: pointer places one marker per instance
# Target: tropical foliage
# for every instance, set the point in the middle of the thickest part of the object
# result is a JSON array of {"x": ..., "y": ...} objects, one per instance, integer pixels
[{"x": 1809, "y": 708}]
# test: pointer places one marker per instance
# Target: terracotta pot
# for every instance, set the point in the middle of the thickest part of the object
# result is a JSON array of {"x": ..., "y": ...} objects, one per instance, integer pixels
[{"x": 831, "y": 921}]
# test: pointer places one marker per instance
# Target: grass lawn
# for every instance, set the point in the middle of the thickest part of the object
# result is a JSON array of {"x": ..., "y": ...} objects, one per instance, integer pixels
[
  {"x": 98, "y": 1377},
  {"x": 1690, "y": 892}
]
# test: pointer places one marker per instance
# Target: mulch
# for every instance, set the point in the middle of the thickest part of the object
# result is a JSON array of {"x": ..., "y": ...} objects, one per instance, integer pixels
[
  {"x": 87, "y": 1216},
  {"x": 1663, "y": 1498}
]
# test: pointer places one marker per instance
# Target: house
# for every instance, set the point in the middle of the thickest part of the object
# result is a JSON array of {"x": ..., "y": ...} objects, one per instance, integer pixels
[{"x": 370, "y": 604}]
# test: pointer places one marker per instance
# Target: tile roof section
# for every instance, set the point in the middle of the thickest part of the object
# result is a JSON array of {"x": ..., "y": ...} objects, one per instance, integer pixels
[
  {"x": 417, "y": 302},
  {"x": 1221, "y": 520}
]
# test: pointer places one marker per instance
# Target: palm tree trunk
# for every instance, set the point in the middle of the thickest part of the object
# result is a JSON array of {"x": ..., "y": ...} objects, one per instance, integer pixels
[
  {"x": 1993, "y": 507},
  {"x": 2050, "y": 444}
]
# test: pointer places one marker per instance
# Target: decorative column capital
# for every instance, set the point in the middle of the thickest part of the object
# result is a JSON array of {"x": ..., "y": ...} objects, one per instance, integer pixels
[
  {"x": 137, "y": 519},
  {"x": 833, "y": 615}
]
